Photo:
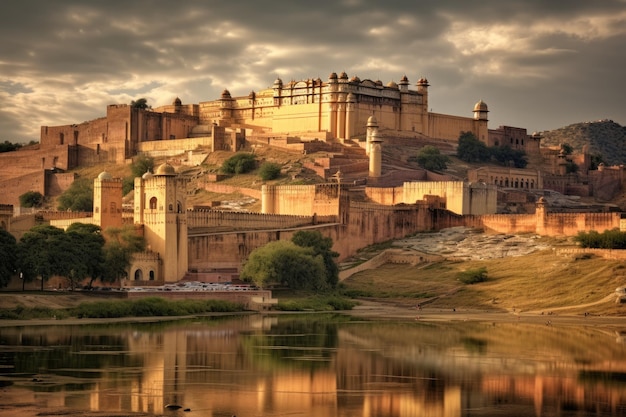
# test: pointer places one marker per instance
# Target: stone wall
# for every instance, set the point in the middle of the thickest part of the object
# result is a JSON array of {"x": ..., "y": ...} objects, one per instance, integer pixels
[{"x": 317, "y": 199}]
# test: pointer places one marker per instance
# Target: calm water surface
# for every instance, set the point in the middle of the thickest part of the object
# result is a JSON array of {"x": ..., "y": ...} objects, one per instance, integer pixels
[{"x": 319, "y": 365}]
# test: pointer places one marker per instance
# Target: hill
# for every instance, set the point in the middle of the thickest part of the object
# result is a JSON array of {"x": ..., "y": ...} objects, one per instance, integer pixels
[{"x": 602, "y": 137}]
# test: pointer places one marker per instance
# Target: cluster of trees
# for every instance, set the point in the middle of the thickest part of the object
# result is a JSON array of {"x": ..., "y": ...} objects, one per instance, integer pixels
[
  {"x": 306, "y": 262},
  {"x": 430, "y": 158},
  {"x": 81, "y": 252},
  {"x": 609, "y": 239},
  {"x": 471, "y": 149},
  {"x": 244, "y": 162}
]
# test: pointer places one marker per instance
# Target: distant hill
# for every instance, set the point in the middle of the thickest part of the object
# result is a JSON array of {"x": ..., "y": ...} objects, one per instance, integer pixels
[{"x": 604, "y": 137}]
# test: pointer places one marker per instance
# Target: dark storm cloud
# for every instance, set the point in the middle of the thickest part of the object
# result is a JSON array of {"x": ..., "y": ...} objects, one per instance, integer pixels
[{"x": 537, "y": 64}]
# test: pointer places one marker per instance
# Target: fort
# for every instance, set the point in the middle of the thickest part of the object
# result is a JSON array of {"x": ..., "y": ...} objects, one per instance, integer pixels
[{"x": 362, "y": 199}]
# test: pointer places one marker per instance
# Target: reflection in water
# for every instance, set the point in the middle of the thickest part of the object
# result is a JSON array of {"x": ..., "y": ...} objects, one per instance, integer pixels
[{"x": 319, "y": 365}]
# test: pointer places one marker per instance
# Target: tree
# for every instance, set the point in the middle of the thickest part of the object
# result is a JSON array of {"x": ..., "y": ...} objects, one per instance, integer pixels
[
  {"x": 505, "y": 155},
  {"x": 87, "y": 248},
  {"x": 430, "y": 158},
  {"x": 240, "y": 163},
  {"x": 321, "y": 246},
  {"x": 141, "y": 164},
  {"x": 285, "y": 263},
  {"x": 78, "y": 197},
  {"x": 140, "y": 103},
  {"x": 31, "y": 199},
  {"x": 269, "y": 171},
  {"x": 119, "y": 248},
  {"x": 470, "y": 149},
  {"x": 567, "y": 149},
  {"x": 41, "y": 252},
  {"x": 8, "y": 257},
  {"x": 7, "y": 146}
]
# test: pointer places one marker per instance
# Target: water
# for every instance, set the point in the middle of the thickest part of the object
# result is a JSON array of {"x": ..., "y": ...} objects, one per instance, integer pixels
[{"x": 318, "y": 365}]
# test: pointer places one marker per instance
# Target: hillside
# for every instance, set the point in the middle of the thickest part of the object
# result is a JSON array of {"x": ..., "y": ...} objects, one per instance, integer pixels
[{"x": 603, "y": 137}]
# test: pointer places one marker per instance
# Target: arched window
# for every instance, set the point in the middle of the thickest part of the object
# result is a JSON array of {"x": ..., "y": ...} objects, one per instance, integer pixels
[
  {"x": 138, "y": 275},
  {"x": 170, "y": 207},
  {"x": 151, "y": 275},
  {"x": 153, "y": 203}
]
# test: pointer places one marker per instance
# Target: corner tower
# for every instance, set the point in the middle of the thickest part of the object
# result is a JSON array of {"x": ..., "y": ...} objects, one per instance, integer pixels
[
  {"x": 107, "y": 201},
  {"x": 160, "y": 205}
]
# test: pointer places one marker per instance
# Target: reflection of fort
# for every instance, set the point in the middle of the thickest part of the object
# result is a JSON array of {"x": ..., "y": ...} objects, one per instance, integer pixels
[{"x": 258, "y": 365}]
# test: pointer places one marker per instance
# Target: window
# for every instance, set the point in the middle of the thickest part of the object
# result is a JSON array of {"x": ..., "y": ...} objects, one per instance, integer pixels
[
  {"x": 138, "y": 275},
  {"x": 153, "y": 203}
]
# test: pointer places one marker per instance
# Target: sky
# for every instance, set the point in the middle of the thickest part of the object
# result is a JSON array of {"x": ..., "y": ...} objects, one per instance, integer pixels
[{"x": 537, "y": 64}]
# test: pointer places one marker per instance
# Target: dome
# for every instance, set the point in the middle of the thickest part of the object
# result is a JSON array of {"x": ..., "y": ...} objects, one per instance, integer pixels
[
  {"x": 226, "y": 94},
  {"x": 355, "y": 79},
  {"x": 404, "y": 80},
  {"x": 177, "y": 102},
  {"x": 372, "y": 122},
  {"x": 423, "y": 81},
  {"x": 378, "y": 82},
  {"x": 481, "y": 106},
  {"x": 343, "y": 75},
  {"x": 147, "y": 175},
  {"x": 278, "y": 81},
  {"x": 105, "y": 176},
  {"x": 165, "y": 169},
  {"x": 392, "y": 84},
  {"x": 332, "y": 76}
]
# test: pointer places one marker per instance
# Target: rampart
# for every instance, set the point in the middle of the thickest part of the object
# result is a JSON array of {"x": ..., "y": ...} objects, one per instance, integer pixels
[
  {"x": 204, "y": 220},
  {"x": 393, "y": 256},
  {"x": 317, "y": 199}
]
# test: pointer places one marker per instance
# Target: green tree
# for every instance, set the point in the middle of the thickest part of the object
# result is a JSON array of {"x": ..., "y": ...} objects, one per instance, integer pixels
[
  {"x": 41, "y": 252},
  {"x": 121, "y": 244},
  {"x": 269, "y": 171},
  {"x": 8, "y": 257},
  {"x": 471, "y": 149},
  {"x": 321, "y": 246},
  {"x": 567, "y": 148},
  {"x": 505, "y": 155},
  {"x": 86, "y": 246},
  {"x": 141, "y": 164},
  {"x": 285, "y": 263},
  {"x": 240, "y": 163},
  {"x": 140, "y": 103},
  {"x": 430, "y": 158},
  {"x": 7, "y": 146},
  {"x": 78, "y": 197},
  {"x": 31, "y": 199}
]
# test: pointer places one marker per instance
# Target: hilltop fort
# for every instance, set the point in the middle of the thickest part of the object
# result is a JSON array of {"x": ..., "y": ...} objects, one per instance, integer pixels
[{"x": 363, "y": 197}]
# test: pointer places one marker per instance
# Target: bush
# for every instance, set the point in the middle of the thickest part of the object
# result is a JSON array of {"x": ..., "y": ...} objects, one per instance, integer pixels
[
  {"x": 31, "y": 199},
  {"x": 239, "y": 163},
  {"x": 269, "y": 171},
  {"x": 473, "y": 276}
]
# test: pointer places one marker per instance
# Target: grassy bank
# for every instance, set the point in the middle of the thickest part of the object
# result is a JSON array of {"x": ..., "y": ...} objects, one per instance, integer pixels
[
  {"x": 536, "y": 282},
  {"x": 145, "y": 307}
]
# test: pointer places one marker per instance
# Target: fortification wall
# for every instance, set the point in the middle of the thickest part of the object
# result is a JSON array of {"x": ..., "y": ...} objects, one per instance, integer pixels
[
  {"x": 393, "y": 256},
  {"x": 170, "y": 147},
  {"x": 448, "y": 127},
  {"x": 57, "y": 183},
  {"x": 229, "y": 189},
  {"x": 387, "y": 196},
  {"x": 14, "y": 187},
  {"x": 211, "y": 219},
  {"x": 569, "y": 224},
  {"x": 307, "y": 200}
]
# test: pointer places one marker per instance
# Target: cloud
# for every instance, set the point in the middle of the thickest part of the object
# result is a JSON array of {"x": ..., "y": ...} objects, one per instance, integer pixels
[{"x": 62, "y": 62}]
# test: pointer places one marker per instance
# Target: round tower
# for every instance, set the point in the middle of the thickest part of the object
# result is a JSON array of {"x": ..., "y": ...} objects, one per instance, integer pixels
[
  {"x": 480, "y": 111},
  {"x": 375, "y": 156},
  {"x": 107, "y": 201},
  {"x": 372, "y": 127}
]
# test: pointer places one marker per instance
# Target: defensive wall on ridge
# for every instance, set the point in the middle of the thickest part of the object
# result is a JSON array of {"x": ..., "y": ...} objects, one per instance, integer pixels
[
  {"x": 364, "y": 224},
  {"x": 203, "y": 220},
  {"x": 318, "y": 199}
]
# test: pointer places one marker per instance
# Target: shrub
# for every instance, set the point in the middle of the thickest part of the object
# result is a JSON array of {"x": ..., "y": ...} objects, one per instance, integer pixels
[
  {"x": 269, "y": 171},
  {"x": 31, "y": 199},
  {"x": 239, "y": 163},
  {"x": 473, "y": 276}
]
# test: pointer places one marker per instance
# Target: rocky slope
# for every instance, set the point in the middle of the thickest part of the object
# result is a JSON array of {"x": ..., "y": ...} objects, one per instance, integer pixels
[{"x": 603, "y": 137}]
